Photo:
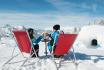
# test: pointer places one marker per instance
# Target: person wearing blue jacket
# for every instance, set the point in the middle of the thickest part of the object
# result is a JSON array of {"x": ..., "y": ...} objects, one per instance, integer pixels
[
  {"x": 35, "y": 42},
  {"x": 54, "y": 38}
]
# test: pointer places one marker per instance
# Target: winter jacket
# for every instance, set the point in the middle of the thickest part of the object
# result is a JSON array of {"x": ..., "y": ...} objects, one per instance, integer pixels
[
  {"x": 54, "y": 36},
  {"x": 36, "y": 41}
]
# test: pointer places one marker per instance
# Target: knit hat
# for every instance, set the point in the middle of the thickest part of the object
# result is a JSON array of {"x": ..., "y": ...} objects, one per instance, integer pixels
[{"x": 56, "y": 27}]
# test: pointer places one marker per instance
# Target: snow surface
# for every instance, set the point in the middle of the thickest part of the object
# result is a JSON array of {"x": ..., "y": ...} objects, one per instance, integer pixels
[{"x": 87, "y": 58}]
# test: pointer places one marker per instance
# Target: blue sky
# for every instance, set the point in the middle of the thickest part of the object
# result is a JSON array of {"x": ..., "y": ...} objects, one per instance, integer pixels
[{"x": 50, "y": 12}]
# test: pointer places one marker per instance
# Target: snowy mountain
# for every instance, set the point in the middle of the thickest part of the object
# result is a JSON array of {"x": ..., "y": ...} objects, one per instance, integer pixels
[{"x": 5, "y": 30}]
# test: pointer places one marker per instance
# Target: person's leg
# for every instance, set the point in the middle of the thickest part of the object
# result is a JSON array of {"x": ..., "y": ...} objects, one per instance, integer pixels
[
  {"x": 32, "y": 52},
  {"x": 37, "y": 49},
  {"x": 49, "y": 47},
  {"x": 54, "y": 51},
  {"x": 54, "y": 48}
]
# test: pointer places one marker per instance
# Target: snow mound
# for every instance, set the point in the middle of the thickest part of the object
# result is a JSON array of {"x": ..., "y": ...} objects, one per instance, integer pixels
[{"x": 88, "y": 33}]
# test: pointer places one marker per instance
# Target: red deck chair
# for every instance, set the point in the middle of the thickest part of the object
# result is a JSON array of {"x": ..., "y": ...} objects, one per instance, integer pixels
[
  {"x": 64, "y": 45},
  {"x": 23, "y": 42}
]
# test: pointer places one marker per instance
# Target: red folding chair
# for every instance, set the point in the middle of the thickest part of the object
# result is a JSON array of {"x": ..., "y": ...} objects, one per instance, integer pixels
[
  {"x": 64, "y": 44},
  {"x": 23, "y": 42}
]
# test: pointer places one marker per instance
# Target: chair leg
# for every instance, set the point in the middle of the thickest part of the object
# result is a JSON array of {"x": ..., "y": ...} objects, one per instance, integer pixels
[
  {"x": 59, "y": 64},
  {"x": 30, "y": 57},
  {"x": 75, "y": 62},
  {"x": 24, "y": 61},
  {"x": 10, "y": 59},
  {"x": 55, "y": 64},
  {"x": 52, "y": 58},
  {"x": 34, "y": 52}
]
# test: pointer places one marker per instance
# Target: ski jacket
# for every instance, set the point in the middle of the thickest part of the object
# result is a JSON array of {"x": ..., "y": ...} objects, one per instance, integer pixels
[
  {"x": 54, "y": 39},
  {"x": 36, "y": 41}
]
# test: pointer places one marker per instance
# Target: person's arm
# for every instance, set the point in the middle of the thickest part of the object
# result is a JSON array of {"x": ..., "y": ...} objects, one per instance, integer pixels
[
  {"x": 55, "y": 38},
  {"x": 37, "y": 40}
]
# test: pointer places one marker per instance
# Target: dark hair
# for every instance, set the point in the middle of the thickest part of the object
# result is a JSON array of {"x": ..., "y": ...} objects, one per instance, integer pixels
[
  {"x": 31, "y": 32},
  {"x": 56, "y": 27}
]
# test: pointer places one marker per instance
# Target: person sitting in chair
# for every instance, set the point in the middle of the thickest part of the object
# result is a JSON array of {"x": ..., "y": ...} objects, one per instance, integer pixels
[
  {"x": 35, "y": 42},
  {"x": 54, "y": 38}
]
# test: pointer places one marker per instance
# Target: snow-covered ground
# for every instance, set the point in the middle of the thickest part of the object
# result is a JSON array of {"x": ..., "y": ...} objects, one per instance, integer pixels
[{"x": 87, "y": 57}]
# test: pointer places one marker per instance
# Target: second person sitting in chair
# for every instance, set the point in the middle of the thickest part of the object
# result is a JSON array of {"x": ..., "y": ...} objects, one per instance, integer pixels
[
  {"x": 54, "y": 38},
  {"x": 35, "y": 41}
]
